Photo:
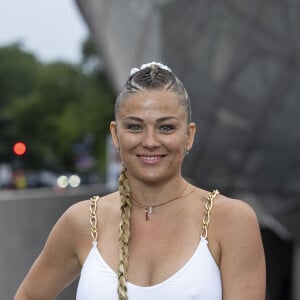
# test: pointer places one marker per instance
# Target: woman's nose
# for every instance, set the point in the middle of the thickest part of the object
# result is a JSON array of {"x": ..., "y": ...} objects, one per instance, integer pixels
[{"x": 150, "y": 139}]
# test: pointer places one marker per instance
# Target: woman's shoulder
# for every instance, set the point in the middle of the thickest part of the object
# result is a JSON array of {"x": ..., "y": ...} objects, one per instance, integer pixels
[
  {"x": 232, "y": 205},
  {"x": 81, "y": 209},
  {"x": 78, "y": 214},
  {"x": 107, "y": 209},
  {"x": 233, "y": 208},
  {"x": 234, "y": 216}
]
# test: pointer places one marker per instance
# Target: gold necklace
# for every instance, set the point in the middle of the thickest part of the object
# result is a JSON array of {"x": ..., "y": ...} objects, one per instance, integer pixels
[{"x": 149, "y": 208}]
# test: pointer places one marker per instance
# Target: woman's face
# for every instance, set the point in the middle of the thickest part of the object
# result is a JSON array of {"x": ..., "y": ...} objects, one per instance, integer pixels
[{"x": 152, "y": 134}]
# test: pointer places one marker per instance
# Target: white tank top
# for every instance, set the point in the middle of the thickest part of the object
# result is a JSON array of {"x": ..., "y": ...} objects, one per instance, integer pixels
[{"x": 198, "y": 279}]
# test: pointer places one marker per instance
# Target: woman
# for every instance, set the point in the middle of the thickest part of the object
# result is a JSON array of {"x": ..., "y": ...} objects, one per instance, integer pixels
[{"x": 159, "y": 237}]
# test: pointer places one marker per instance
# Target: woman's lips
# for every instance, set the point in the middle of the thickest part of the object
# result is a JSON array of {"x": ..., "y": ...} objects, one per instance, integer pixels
[{"x": 150, "y": 159}]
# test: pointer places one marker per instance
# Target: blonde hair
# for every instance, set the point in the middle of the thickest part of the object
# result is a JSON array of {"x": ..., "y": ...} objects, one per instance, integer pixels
[
  {"x": 151, "y": 76},
  {"x": 154, "y": 77},
  {"x": 124, "y": 234}
]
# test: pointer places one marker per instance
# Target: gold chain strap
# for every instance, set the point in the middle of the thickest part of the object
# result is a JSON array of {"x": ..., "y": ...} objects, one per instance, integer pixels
[
  {"x": 208, "y": 206},
  {"x": 93, "y": 217}
]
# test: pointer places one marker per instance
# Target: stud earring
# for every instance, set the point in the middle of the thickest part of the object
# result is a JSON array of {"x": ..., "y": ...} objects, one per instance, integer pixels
[{"x": 186, "y": 152}]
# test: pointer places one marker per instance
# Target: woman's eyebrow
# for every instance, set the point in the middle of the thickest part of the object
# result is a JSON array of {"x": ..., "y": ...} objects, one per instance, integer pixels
[
  {"x": 132, "y": 118},
  {"x": 159, "y": 120},
  {"x": 167, "y": 118}
]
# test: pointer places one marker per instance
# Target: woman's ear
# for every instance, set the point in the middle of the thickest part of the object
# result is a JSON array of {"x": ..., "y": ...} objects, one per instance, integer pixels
[
  {"x": 113, "y": 132},
  {"x": 191, "y": 130}
]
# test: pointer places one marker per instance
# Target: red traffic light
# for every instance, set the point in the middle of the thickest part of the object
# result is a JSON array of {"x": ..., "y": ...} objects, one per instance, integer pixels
[{"x": 19, "y": 148}]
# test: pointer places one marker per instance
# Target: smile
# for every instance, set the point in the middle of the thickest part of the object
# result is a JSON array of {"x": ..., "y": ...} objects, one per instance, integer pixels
[{"x": 150, "y": 158}]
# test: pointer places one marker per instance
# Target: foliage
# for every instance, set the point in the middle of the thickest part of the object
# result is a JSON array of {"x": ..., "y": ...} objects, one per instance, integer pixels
[{"x": 52, "y": 107}]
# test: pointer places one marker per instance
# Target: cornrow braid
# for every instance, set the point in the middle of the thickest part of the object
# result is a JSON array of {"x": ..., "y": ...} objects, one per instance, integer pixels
[
  {"x": 124, "y": 234},
  {"x": 154, "y": 77}
]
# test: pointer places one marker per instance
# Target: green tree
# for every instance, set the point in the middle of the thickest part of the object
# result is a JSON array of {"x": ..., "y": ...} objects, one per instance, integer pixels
[
  {"x": 56, "y": 106},
  {"x": 18, "y": 73}
]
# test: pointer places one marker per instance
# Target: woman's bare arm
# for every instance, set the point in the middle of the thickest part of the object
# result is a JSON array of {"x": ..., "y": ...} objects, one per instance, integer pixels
[
  {"x": 57, "y": 265},
  {"x": 242, "y": 255}
]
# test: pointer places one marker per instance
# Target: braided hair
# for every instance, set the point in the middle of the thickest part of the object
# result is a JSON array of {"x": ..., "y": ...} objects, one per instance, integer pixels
[
  {"x": 153, "y": 76},
  {"x": 124, "y": 233}
]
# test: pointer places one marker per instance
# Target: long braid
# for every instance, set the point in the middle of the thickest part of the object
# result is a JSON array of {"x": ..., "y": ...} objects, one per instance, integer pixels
[
  {"x": 124, "y": 234},
  {"x": 150, "y": 77}
]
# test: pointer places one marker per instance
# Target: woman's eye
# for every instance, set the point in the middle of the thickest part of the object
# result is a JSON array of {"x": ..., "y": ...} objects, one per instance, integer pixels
[
  {"x": 166, "y": 128},
  {"x": 134, "y": 127}
]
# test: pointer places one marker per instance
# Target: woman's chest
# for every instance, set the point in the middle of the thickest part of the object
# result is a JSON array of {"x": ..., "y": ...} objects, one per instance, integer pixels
[
  {"x": 198, "y": 278},
  {"x": 156, "y": 251}
]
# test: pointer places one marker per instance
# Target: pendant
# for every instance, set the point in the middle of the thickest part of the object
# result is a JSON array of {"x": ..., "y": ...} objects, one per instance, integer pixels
[{"x": 148, "y": 210}]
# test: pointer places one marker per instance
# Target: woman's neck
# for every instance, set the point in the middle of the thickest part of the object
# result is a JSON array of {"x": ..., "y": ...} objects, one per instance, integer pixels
[{"x": 153, "y": 194}]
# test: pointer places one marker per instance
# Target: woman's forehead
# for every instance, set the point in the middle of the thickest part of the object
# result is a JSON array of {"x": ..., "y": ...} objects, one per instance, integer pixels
[{"x": 147, "y": 101}]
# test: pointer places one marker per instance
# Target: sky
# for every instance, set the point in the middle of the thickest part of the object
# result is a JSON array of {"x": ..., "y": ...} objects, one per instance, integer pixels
[{"x": 51, "y": 29}]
